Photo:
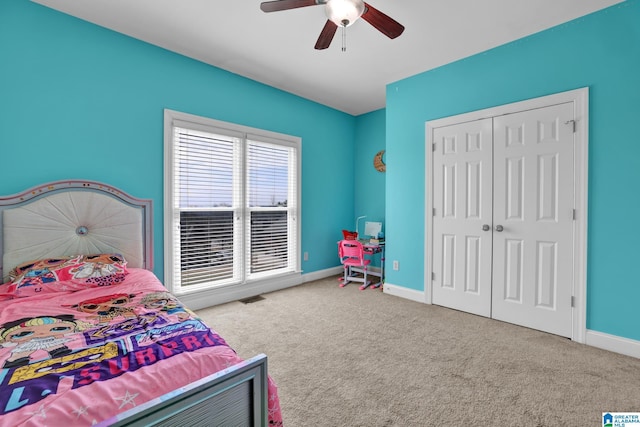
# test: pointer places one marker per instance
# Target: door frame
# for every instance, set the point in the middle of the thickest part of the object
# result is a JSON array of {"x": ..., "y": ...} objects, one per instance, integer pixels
[{"x": 580, "y": 100}]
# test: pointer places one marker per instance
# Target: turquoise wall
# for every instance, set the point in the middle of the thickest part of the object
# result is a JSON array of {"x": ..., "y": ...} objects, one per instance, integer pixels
[
  {"x": 600, "y": 51},
  {"x": 80, "y": 101},
  {"x": 369, "y": 184}
]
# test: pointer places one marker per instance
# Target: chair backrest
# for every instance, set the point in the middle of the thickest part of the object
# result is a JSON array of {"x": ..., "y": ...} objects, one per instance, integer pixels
[
  {"x": 351, "y": 250},
  {"x": 349, "y": 235}
]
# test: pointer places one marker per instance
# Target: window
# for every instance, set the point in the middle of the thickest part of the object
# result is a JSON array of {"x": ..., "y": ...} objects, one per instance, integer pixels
[{"x": 231, "y": 198}]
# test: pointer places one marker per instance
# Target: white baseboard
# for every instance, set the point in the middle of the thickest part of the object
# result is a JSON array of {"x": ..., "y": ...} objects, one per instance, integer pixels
[
  {"x": 613, "y": 343},
  {"x": 321, "y": 274},
  {"x": 401, "y": 291},
  {"x": 225, "y": 294},
  {"x": 601, "y": 340},
  {"x": 196, "y": 301},
  {"x": 209, "y": 298}
]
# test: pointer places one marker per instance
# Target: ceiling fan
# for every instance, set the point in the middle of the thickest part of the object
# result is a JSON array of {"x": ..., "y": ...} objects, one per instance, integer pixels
[{"x": 340, "y": 13}]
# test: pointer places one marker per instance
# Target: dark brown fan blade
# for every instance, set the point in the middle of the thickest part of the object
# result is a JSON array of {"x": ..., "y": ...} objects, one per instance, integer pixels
[
  {"x": 274, "y": 6},
  {"x": 383, "y": 23},
  {"x": 326, "y": 35}
]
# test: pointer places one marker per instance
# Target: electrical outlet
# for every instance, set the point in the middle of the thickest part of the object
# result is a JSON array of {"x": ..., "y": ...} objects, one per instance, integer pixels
[
  {"x": 396, "y": 265},
  {"x": 306, "y": 256}
]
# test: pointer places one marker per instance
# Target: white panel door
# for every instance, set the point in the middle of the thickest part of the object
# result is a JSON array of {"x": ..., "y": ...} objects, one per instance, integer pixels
[
  {"x": 533, "y": 218},
  {"x": 462, "y": 185}
]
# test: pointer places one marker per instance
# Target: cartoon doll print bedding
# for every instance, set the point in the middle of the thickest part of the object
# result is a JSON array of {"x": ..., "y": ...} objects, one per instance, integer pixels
[{"x": 84, "y": 350}]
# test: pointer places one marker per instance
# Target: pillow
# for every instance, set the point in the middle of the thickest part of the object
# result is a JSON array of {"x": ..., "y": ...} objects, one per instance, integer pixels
[
  {"x": 99, "y": 269},
  {"x": 40, "y": 267},
  {"x": 68, "y": 274}
]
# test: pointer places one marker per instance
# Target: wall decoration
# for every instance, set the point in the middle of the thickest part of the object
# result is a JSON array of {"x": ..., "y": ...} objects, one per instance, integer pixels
[{"x": 378, "y": 163}]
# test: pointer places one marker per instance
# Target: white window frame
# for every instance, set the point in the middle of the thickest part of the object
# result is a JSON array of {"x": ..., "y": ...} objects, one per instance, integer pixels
[{"x": 250, "y": 282}]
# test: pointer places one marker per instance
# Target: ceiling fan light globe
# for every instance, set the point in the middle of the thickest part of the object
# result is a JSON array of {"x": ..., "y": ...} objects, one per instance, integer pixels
[{"x": 343, "y": 13}]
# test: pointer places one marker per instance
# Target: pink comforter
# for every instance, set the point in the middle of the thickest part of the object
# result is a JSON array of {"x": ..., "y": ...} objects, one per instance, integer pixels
[{"x": 80, "y": 357}]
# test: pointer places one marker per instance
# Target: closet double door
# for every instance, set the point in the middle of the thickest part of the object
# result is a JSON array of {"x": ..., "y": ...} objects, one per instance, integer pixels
[{"x": 503, "y": 198}]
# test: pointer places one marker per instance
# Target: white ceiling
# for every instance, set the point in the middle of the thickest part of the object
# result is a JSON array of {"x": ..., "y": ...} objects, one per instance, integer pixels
[{"x": 277, "y": 48}]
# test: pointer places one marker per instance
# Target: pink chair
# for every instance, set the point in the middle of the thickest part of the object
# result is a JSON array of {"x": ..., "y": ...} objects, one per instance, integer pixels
[{"x": 351, "y": 255}]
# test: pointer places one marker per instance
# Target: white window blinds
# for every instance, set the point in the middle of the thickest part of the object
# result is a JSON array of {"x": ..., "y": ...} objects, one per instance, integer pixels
[
  {"x": 271, "y": 171},
  {"x": 206, "y": 202},
  {"x": 234, "y": 206}
]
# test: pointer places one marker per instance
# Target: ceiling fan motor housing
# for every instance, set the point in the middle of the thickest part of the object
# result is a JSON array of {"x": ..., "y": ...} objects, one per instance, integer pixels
[{"x": 343, "y": 13}]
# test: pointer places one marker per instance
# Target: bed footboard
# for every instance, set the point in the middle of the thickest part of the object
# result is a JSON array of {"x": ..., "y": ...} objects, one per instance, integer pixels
[{"x": 236, "y": 396}]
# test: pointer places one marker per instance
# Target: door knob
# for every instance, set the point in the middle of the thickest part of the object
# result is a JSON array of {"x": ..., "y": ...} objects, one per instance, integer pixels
[
  {"x": 485, "y": 227},
  {"x": 499, "y": 228}
]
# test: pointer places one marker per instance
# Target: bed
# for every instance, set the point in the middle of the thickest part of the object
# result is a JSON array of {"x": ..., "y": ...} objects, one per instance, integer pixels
[{"x": 89, "y": 335}]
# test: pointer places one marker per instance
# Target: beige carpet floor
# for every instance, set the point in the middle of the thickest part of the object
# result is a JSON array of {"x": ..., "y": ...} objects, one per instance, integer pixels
[{"x": 345, "y": 357}]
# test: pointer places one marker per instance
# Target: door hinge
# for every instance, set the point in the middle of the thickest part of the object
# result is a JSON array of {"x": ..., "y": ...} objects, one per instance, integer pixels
[
  {"x": 434, "y": 211},
  {"x": 573, "y": 301},
  {"x": 573, "y": 124},
  {"x": 433, "y": 276},
  {"x": 573, "y": 214},
  {"x": 433, "y": 147}
]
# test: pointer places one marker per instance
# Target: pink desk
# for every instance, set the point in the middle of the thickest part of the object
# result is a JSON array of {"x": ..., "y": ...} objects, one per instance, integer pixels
[{"x": 371, "y": 249}]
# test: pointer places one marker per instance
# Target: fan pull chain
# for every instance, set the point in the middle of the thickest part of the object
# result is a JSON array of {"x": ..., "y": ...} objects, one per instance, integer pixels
[{"x": 344, "y": 38}]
